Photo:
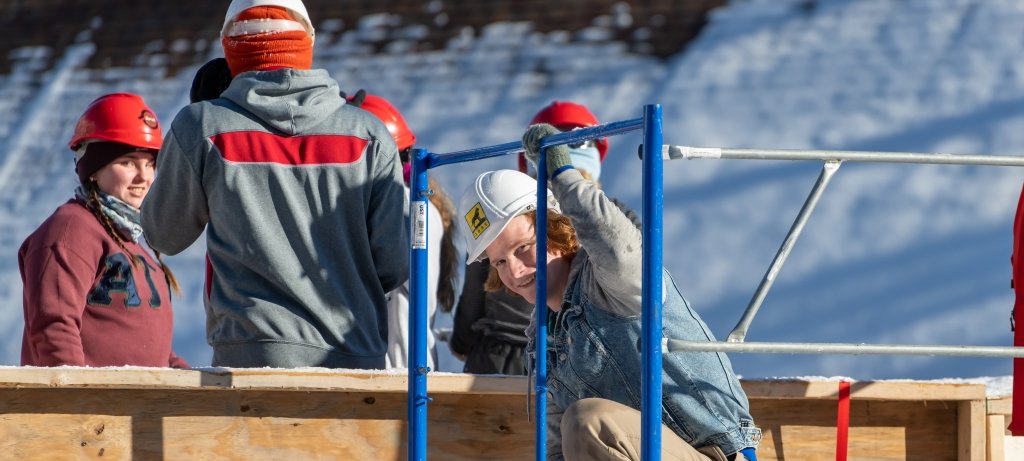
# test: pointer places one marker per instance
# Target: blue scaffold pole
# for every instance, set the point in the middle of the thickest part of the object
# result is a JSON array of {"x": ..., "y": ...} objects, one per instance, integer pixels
[
  {"x": 654, "y": 193},
  {"x": 417, "y": 360},
  {"x": 540, "y": 306}
]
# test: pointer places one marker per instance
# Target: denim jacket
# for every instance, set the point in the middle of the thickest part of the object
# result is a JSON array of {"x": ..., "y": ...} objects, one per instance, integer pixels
[{"x": 594, "y": 345}]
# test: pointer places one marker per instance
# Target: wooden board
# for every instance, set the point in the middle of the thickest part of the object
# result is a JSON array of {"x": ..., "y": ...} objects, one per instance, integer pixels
[
  {"x": 995, "y": 439},
  {"x": 863, "y": 390},
  {"x": 1000, "y": 406},
  {"x": 277, "y": 415},
  {"x": 253, "y": 379},
  {"x": 879, "y": 430},
  {"x": 48, "y": 424},
  {"x": 971, "y": 430},
  {"x": 362, "y": 380}
]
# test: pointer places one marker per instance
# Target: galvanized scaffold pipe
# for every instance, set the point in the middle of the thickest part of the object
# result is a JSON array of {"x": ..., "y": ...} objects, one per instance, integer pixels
[
  {"x": 677, "y": 345},
  {"x": 739, "y": 332},
  {"x": 670, "y": 152},
  {"x": 832, "y": 159}
]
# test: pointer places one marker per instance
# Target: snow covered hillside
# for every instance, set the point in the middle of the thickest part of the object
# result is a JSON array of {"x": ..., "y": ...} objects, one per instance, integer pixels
[{"x": 894, "y": 254}]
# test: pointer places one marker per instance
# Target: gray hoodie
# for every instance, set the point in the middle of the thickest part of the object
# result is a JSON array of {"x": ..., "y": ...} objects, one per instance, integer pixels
[{"x": 302, "y": 200}]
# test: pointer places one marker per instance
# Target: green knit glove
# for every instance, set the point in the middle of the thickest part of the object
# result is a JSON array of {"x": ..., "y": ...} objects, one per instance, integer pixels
[{"x": 558, "y": 156}]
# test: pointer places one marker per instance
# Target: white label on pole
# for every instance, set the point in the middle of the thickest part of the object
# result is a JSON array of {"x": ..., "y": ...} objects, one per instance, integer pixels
[
  {"x": 685, "y": 152},
  {"x": 419, "y": 225}
]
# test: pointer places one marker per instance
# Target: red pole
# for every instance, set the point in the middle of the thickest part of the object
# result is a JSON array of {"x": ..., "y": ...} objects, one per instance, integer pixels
[{"x": 843, "y": 421}]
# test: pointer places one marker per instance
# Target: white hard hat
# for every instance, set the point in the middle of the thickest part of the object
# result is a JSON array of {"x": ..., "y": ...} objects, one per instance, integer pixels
[
  {"x": 490, "y": 203},
  {"x": 296, "y": 6}
]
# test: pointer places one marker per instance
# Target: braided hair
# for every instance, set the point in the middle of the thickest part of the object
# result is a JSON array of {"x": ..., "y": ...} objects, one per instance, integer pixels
[{"x": 93, "y": 204}]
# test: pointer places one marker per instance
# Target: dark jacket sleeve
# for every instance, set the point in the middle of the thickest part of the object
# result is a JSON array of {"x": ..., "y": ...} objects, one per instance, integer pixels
[
  {"x": 469, "y": 309},
  {"x": 386, "y": 223}
]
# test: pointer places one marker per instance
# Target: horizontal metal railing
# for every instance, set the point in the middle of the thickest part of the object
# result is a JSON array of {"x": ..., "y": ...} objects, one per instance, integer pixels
[
  {"x": 832, "y": 160},
  {"x": 689, "y": 153},
  {"x": 677, "y": 345}
]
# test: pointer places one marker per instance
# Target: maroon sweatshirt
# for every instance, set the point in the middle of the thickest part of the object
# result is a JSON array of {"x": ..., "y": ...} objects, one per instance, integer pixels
[{"x": 84, "y": 301}]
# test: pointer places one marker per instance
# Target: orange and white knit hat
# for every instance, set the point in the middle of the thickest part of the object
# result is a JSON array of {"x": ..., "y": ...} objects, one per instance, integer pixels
[{"x": 267, "y": 35}]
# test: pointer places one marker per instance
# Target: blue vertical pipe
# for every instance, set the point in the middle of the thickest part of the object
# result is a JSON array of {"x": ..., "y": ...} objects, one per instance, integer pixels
[
  {"x": 541, "y": 306},
  {"x": 650, "y": 348},
  {"x": 417, "y": 400}
]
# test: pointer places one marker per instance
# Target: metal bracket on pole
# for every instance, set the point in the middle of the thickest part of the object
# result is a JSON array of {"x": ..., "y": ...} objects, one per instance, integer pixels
[{"x": 740, "y": 331}]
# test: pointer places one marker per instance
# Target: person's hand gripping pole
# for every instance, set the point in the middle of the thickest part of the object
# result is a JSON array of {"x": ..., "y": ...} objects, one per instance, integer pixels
[{"x": 558, "y": 159}]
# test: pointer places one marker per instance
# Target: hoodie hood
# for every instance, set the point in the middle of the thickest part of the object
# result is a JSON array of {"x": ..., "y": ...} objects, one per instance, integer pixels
[{"x": 292, "y": 101}]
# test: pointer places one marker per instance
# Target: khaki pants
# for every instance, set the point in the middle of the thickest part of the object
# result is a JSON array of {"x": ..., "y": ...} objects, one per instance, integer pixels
[{"x": 599, "y": 429}]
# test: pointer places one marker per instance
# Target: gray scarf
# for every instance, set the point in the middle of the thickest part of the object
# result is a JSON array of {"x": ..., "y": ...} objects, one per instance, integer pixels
[{"x": 127, "y": 220}]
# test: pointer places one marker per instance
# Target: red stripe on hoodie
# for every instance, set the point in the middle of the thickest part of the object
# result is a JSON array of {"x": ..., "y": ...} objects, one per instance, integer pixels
[{"x": 262, "y": 147}]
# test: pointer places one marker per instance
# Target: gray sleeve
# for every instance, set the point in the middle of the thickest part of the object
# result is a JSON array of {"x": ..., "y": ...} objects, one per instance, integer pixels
[
  {"x": 386, "y": 223},
  {"x": 175, "y": 211},
  {"x": 610, "y": 240}
]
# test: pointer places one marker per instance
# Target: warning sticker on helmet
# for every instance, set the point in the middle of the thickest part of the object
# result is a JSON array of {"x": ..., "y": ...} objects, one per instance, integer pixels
[{"x": 477, "y": 220}]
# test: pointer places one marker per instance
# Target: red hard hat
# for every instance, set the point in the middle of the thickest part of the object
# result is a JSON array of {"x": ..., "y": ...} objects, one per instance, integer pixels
[
  {"x": 392, "y": 119},
  {"x": 118, "y": 117},
  {"x": 565, "y": 116}
]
